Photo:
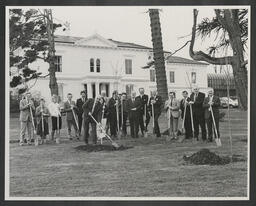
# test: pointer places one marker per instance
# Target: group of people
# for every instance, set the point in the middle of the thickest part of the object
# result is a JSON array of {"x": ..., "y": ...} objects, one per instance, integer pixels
[{"x": 112, "y": 114}]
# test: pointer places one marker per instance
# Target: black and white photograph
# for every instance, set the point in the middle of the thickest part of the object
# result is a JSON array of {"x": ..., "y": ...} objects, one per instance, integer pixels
[{"x": 127, "y": 102}]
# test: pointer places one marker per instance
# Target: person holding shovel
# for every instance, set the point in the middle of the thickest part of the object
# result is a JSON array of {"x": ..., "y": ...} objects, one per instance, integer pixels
[
  {"x": 42, "y": 114},
  {"x": 92, "y": 107},
  {"x": 133, "y": 107},
  {"x": 211, "y": 114},
  {"x": 124, "y": 113},
  {"x": 70, "y": 108},
  {"x": 197, "y": 99},
  {"x": 26, "y": 118},
  {"x": 155, "y": 104},
  {"x": 79, "y": 104},
  {"x": 113, "y": 104},
  {"x": 143, "y": 110},
  {"x": 54, "y": 109},
  {"x": 186, "y": 115},
  {"x": 172, "y": 109}
]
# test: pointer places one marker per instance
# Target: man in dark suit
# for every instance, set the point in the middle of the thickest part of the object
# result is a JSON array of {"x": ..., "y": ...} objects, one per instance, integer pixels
[
  {"x": 214, "y": 101},
  {"x": 133, "y": 107},
  {"x": 197, "y": 99},
  {"x": 124, "y": 113},
  {"x": 186, "y": 117},
  {"x": 156, "y": 101},
  {"x": 93, "y": 107},
  {"x": 113, "y": 103},
  {"x": 79, "y": 104},
  {"x": 143, "y": 110}
]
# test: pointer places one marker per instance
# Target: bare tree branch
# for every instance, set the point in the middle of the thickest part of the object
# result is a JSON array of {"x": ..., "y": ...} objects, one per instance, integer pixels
[
  {"x": 201, "y": 56},
  {"x": 179, "y": 48}
]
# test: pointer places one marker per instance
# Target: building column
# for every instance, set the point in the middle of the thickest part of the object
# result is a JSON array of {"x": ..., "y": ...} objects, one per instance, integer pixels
[
  {"x": 97, "y": 89},
  {"x": 110, "y": 89},
  {"x": 89, "y": 90}
]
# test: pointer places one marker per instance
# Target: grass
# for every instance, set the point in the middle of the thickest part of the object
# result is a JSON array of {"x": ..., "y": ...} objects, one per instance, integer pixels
[{"x": 153, "y": 167}]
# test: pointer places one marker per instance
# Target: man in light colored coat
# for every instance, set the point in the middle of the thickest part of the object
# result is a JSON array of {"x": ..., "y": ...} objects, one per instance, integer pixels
[
  {"x": 70, "y": 109},
  {"x": 172, "y": 107},
  {"x": 26, "y": 111}
]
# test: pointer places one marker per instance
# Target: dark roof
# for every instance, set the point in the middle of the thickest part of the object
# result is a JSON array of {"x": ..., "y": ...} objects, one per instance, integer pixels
[
  {"x": 175, "y": 59},
  {"x": 67, "y": 39},
  {"x": 129, "y": 45},
  {"x": 219, "y": 81},
  {"x": 72, "y": 40}
]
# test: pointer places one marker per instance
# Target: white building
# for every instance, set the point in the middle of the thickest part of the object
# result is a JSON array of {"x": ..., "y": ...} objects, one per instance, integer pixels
[{"x": 96, "y": 63}]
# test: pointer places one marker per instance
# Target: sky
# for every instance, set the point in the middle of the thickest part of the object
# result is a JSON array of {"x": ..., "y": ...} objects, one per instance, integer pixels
[{"x": 132, "y": 24}]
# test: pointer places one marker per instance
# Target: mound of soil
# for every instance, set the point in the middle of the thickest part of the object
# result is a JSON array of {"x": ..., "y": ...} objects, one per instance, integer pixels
[
  {"x": 205, "y": 157},
  {"x": 99, "y": 147}
]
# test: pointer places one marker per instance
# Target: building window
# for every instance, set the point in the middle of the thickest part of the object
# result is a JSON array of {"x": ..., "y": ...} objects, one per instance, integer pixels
[
  {"x": 128, "y": 66},
  {"x": 98, "y": 65},
  {"x": 152, "y": 75},
  {"x": 91, "y": 65},
  {"x": 193, "y": 77},
  {"x": 129, "y": 89},
  {"x": 58, "y": 63},
  {"x": 172, "y": 79}
]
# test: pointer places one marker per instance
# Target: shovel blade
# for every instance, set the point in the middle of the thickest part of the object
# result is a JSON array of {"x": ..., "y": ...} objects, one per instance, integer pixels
[
  {"x": 181, "y": 139},
  {"x": 114, "y": 144}
]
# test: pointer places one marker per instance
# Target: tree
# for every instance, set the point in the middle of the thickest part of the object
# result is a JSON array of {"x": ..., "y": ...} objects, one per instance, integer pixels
[
  {"x": 29, "y": 33},
  {"x": 158, "y": 52},
  {"x": 231, "y": 28}
]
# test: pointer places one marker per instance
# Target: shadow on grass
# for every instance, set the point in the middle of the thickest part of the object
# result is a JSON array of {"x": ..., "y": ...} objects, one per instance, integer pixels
[{"x": 98, "y": 148}]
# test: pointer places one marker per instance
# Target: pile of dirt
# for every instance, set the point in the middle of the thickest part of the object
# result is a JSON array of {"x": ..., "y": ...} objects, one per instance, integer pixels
[
  {"x": 205, "y": 157},
  {"x": 99, "y": 147}
]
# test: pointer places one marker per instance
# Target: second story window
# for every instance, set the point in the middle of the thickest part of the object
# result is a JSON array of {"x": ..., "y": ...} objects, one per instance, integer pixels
[
  {"x": 193, "y": 77},
  {"x": 152, "y": 75},
  {"x": 172, "y": 78},
  {"x": 58, "y": 63},
  {"x": 128, "y": 66},
  {"x": 91, "y": 65},
  {"x": 98, "y": 65}
]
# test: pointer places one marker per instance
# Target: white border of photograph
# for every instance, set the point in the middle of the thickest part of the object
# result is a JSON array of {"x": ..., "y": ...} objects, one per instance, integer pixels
[{"x": 7, "y": 120}]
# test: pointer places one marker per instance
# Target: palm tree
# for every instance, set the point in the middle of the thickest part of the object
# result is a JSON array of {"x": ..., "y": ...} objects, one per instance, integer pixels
[
  {"x": 158, "y": 53},
  {"x": 231, "y": 29}
]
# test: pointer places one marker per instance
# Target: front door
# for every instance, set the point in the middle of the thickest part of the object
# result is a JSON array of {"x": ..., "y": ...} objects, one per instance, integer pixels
[{"x": 104, "y": 86}]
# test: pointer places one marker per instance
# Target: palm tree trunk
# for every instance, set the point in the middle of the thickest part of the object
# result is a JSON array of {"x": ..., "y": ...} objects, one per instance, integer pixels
[
  {"x": 51, "y": 53},
  {"x": 158, "y": 53}
]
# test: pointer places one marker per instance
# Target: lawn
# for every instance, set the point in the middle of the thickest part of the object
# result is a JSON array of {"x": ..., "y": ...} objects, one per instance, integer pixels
[{"x": 152, "y": 167}]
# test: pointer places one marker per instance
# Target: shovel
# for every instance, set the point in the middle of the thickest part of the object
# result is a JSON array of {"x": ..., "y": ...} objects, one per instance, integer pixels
[
  {"x": 34, "y": 128},
  {"x": 144, "y": 121},
  {"x": 217, "y": 139},
  {"x": 181, "y": 139},
  {"x": 58, "y": 130},
  {"x": 118, "y": 120},
  {"x": 114, "y": 144}
]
